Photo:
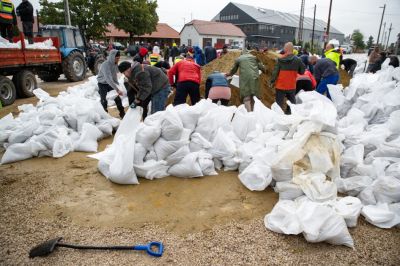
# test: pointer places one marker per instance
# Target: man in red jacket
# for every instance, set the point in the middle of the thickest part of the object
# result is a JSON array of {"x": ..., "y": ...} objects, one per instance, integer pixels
[{"x": 187, "y": 76}]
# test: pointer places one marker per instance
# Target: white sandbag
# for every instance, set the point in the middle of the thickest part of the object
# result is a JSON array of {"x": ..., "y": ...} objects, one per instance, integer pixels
[
  {"x": 147, "y": 135},
  {"x": 223, "y": 145},
  {"x": 316, "y": 187},
  {"x": 198, "y": 142},
  {"x": 282, "y": 172},
  {"x": 367, "y": 196},
  {"x": 206, "y": 164},
  {"x": 263, "y": 114},
  {"x": 387, "y": 189},
  {"x": 394, "y": 122},
  {"x": 21, "y": 151},
  {"x": 243, "y": 122},
  {"x": 353, "y": 185},
  {"x": 381, "y": 215},
  {"x": 336, "y": 92},
  {"x": 188, "y": 167},
  {"x": 393, "y": 170},
  {"x": 257, "y": 176},
  {"x": 140, "y": 153},
  {"x": 151, "y": 155},
  {"x": 7, "y": 124},
  {"x": 171, "y": 126},
  {"x": 88, "y": 139},
  {"x": 288, "y": 190},
  {"x": 354, "y": 155},
  {"x": 23, "y": 133},
  {"x": 155, "y": 119},
  {"x": 322, "y": 223},
  {"x": 349, "y": 208},
  {"x": 152, "y": 169},
  {"x": 189, "y": 115},
  {"x": 283, "y": 218},
  {"x": 164, "y": 148},
  {"x": 177, "y": 156}
]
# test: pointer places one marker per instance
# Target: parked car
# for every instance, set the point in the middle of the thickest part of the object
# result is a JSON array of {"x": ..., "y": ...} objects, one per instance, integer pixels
[{"x": 118, "y": 46}]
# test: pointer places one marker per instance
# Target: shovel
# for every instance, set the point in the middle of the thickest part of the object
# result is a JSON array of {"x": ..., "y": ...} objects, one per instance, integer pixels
[{"x": 48, "y": 247}]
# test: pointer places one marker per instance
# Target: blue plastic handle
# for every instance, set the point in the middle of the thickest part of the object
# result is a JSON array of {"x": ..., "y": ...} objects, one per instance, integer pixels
[{"x": 159, "y": 246}]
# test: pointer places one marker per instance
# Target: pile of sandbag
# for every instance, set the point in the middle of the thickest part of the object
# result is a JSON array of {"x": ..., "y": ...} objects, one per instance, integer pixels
[
  {"x": 45, "y": 45},
  {"x": 72, "y": 121},
  {"x": 370, "y": 128}
]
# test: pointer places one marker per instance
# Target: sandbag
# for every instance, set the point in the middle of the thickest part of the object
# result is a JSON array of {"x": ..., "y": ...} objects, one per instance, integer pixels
[
  {"x": 152, "y": 169},
  {"x": 283, "y": 218},
  {"x": 288, "y": 190},
  {"x": 382, "y": 215},
  {"x": 171, "y": 126},
  {"x": 257, "y": 176},
  {"x": 164, "y": 148},
  {"x": 147, "y": 135},
  {"x": 88, "y": 139},
  {"x": 349, "y": 208},
  {"x": 188, "y": 167}
]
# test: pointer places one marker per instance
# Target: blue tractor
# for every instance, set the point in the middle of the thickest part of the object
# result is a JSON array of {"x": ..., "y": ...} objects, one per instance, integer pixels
[{"x": 76, "y": 54}]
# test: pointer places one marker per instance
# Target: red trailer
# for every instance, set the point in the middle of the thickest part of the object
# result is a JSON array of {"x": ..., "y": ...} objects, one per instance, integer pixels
[{"x": 22, "y": 64}]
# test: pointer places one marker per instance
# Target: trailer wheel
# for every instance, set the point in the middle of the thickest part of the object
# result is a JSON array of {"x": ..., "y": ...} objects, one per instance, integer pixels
[
  {"x": 49, "y": 76},
  {"x": 7, "y": 91},
  {"x": 74, "y": 66},
  {"x": 96, "y": 67},
  {"x": 25, "y": 83}
]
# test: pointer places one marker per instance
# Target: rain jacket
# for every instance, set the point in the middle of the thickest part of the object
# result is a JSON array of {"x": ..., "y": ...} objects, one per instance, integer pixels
[
  {"x": 334, "y": 55},
  {"x": 285, "y": 72},
  {"x": 186, "y": 70},
  {"x": 249, "y": 82},
  {"x": 108, "y": 71},
  {"x": 307, "y": 76},
  {"x": 199, "y": 56}
]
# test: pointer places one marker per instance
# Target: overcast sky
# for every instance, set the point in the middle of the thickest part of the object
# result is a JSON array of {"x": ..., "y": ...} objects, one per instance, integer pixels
[{"x": 347, "y": 15}]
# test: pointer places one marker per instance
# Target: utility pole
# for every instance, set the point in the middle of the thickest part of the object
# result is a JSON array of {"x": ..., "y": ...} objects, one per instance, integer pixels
[
  {"x": 387, "y": 43},
  {"x": 329, "y": 24},
  {"x": 313, "y": 28},
  {"x": 383, "y": 34},
  {"x": 380, "y": 26},
  {"x": 67, "y": 14},
  {"x": 301, "y": 22}
]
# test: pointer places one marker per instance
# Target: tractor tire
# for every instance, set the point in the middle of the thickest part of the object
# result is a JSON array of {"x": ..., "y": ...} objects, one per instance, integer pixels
[
  {"x": 25, "y": 83},
  {"x": 49, "y": 76},
  {"x": 96, "y": 67},
  {"x": 74, "y": 66},
  {"x": 8, "y": 93}
]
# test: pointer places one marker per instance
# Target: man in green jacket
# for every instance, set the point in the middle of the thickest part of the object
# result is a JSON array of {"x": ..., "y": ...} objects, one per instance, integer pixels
[
  {"x": 333, "y": 54},
  {"x": 249, "y": 77}
]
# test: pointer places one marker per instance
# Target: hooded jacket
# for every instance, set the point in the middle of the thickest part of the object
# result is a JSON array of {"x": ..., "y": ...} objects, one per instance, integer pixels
[
  {"x": 108, "y": 71},
  {"x": 186, "y": 70},
  {"x": 148, "y": 79},
  {"x": 199, "y": 56},
  {"x": 334, "y": 55},
  {"x": 285, "y": 72}
]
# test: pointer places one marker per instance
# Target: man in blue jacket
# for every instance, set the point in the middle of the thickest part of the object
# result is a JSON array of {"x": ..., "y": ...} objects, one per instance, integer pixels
[
  {"x": 325, "y": 73},
  {"x": 210, "y": 53}
]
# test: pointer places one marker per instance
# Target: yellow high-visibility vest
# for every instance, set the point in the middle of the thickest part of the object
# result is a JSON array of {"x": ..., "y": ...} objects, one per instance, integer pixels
[{"x": 6, "y": 10}]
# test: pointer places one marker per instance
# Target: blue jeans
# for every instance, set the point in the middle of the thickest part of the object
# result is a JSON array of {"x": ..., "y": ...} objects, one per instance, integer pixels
[
  {"x": 323, "y": 84},
  {"x": 159, "y": 99}
]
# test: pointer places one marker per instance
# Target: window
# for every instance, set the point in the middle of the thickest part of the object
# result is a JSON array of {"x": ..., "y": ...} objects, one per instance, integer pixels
[
  {"x": 78, "y": 39},
  {"x": 70, "y": 39},
  {"x": 189, "y": 42}
]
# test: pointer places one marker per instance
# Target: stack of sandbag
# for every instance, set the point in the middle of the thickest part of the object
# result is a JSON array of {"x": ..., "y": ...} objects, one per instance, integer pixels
[
  {"x": 371, "y": 138},
  {"x": 72, "y": 121}
]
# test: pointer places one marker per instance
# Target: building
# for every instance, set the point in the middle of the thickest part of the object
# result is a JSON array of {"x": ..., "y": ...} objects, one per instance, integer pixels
[
  {"x": 164, "y": 34},
  {"x": 199, "y": 33},
  {"x": 270, "y": 28}
]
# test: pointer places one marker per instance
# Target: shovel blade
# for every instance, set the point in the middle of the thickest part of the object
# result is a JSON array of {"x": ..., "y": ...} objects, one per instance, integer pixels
[{"x": 44, "y": 248}]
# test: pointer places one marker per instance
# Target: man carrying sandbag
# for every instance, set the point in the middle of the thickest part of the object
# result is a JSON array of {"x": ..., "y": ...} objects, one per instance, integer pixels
[
  {"x": 325, "y": 73},
  {"x": 107, "y": 80},
  {"x": 249, "y": 77},
  {"x": 150, "y": 84}
]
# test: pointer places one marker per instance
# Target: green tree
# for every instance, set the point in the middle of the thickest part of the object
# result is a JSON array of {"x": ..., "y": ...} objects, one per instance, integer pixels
[
  {"x": 136, "y": 17},
  {"x": 370, "y": 41},
  {"x": 307, "y": 46},
  {"x": 358, "y": 39},
  {"x": 91, "y": 16}
]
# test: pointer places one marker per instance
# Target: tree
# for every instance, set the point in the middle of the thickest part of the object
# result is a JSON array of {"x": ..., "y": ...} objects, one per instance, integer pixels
[
  {"x": 357, "y": 38},
  {"x": 136, "y": 17},
  {"x": 91, "y": 16},
  {"x": 307, "y": 46},
  {"x": 370, "y": 42}
]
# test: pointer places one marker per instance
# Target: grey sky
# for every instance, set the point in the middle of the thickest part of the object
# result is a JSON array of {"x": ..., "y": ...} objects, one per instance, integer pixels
[{"x": 347, "y": 15}]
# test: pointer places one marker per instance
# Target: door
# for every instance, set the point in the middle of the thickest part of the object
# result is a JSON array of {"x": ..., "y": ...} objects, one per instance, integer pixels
[
  {"x": 220, "y": 43},
  {"x": 206, "y": 40}
]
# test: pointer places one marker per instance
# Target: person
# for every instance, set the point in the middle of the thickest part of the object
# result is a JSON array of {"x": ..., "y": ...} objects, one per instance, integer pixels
[
  {"x": 394, "y": 61},
  {"x": 132, "y": 49},
  {"x": 174, "y": 52},
  {"x": 224, "y": 50},
  {"x": 107, "y": 80},
  {"x": 249, "y": 83},
  {"x": 141, "y": 55},
  {"x": 166, "y": 53},
  {"x": 349, "y": 65},
  {"x": 149, "y": 83},
  {"x": 305, "y": 59},
  {"x": 333, "y": 54},
  {"x": 210, "y": 53},
  {"x": 187, "y": 75},
  {"x": 199, "y": 56},
  {"x": 217, "y": 88},
  {"x": 284, "y": 76},
  {"x": 373, "y": 59},
  {"x": 305, "y": 82},
  {"x": 8, "y": 19},
  {"x": 156, "y": 48},
  {"x": 183, "y": 49},
  {"x": 378, "y": 64},
  {"x": 163, "y": 65},
  {"x": 325, "y": 72},
  {"x": 154, "y": 57},
  {"x": 25, "y": 12}
]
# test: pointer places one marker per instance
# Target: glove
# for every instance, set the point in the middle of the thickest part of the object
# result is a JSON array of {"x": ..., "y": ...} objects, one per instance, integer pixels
[{"x": 133, "y": 105}]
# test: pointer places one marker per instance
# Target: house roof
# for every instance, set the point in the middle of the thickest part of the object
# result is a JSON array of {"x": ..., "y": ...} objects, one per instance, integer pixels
[
  {"x": 216, "y": 28},
  {"x": 269, "y": 16},
  {"x": 163, "y": 31}
]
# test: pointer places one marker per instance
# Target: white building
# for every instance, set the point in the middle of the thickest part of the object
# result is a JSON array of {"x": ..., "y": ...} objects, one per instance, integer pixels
[{"x": 199, "y": 33}]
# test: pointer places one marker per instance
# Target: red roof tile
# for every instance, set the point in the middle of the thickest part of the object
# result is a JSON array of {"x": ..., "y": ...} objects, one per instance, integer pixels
[
  {"x": 216, "y": 28},
  {"x": 163, "y": 31}
]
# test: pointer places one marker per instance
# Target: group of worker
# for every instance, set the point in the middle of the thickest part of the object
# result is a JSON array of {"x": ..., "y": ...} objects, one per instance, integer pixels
[{"x": 8, "y": 19}]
